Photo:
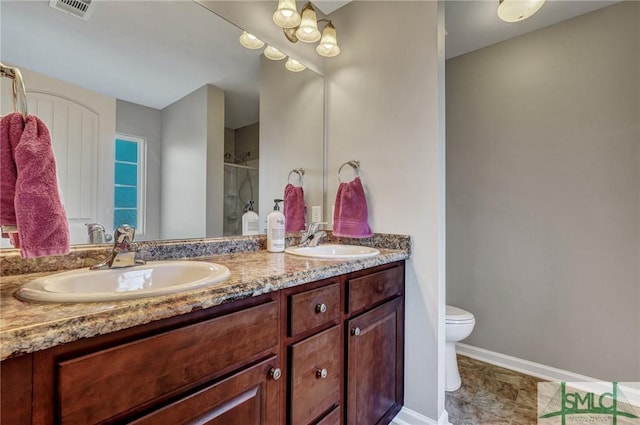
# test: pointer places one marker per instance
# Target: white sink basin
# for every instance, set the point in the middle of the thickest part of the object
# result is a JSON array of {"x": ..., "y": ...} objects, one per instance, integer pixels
[
  {"x": 334, "y": 251},
  {"x": 148, "y": 280}
]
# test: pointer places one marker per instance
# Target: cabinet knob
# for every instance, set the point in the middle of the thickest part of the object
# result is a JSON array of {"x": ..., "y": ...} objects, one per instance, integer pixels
[
  {"x": 321, "y": 308},
  {"x": 321, "y": 373},
  {"x": 275, "y": 373},
  {"x": 355, "y": 331}
]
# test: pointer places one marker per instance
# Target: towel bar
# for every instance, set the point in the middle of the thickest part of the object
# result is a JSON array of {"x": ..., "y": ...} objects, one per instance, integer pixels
[
  {"x": 355, "y": 164},
  {"x": 299, "y": 172},
  {"x": 9, "y": 229},
  {"x": 14, "y": 74}
]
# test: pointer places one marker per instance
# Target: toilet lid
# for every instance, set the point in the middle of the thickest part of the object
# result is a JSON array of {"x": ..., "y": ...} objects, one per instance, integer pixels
[{"x": 457, "y": 315}]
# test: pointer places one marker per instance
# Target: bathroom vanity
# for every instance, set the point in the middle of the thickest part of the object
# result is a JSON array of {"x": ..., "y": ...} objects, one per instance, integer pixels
[{"x": 312, "y": 342}]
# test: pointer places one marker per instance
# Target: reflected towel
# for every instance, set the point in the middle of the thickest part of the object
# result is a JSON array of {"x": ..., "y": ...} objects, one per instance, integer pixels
[
  {"x": 28, "y": 163},
  {"x": 350, "y": 216},
  {"x": 10, "y": 132},
  {"x": 294, "y": 208}
]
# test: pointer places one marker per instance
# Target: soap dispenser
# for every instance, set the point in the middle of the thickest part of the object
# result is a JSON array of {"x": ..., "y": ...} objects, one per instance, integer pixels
[
  {"x": 250, "y": 221},
  {"x": 275, "y": 229}
]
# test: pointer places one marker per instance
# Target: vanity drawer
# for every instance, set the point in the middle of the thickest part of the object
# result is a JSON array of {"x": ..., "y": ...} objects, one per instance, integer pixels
[
  {"x": 247, "y": 397},
  {"x": 367, "y": 291},
  {"x": 107, "y": 383},
  {"x": 313, "y": 308},
  {"x": 332, "y": 418},
  {"x": 316, "y": 365}
]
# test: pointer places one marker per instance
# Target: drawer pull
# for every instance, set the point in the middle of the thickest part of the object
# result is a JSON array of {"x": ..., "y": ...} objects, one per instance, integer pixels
[
  {"x": 275, "y": 373},
  {"x": 321, "y": 373},
  {"x": 355, "y": 331},
  {"x": 321, "y": 308}
]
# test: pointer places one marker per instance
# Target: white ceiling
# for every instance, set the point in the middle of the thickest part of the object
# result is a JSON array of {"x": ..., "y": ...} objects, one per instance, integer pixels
[
  {"x": 155, "y": 52},
  {"x": 147, "y": 52},
  {"x": 473, "y": 24}
]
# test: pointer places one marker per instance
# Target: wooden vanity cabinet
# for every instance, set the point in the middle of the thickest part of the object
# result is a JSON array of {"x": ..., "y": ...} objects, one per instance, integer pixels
[
  {"x": 329, "y": 352},
  {"x": 313, "y": 345},
  {"x": 210, "y": 366},
  {"x": 374, "y": 346},
  {"x": 360, "y": 345}
]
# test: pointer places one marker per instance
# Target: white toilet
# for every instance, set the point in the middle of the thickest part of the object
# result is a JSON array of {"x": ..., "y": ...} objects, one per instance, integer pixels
[{"x": 458, "y": 325}]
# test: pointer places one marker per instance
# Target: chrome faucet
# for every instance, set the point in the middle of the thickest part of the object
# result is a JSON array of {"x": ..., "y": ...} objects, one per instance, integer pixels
[
  {"x": 97, "y": 233},
  {"x": 124, "y": 250},
  {"x": 312, "y": 235}
]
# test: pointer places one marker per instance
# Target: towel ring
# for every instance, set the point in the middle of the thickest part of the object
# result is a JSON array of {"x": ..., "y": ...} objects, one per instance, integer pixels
[
  {"x": 17, "y": 87},
  {"x": 299, "y": 172},
  {"x": 355, "y": 164}
]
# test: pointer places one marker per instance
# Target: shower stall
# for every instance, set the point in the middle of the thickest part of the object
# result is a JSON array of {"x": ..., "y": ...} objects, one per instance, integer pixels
[{"x": 240, "y": 187}]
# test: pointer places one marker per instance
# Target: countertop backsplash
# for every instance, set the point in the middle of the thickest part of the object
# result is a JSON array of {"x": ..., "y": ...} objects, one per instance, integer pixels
[{"x": 11, "y": 263}]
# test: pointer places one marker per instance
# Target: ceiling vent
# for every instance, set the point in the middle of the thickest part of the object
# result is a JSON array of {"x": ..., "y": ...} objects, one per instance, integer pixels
[{"x": 79, "y": 8}]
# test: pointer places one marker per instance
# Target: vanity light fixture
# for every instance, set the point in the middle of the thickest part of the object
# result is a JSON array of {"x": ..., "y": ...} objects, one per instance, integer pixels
[
  {"x": 306, "y": 30},
  {"x": 286, "y": 16},
  {"x": 328, "y": 46},
  {"x": 518, "y": 10},
  {"x": 274, "y": 54},
  {"x": 250, "y": 41},
  {"x": 294, "y": 66}
]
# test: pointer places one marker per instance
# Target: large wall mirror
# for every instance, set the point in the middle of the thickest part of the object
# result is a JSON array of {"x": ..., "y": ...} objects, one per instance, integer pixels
[{"x": 160, "y": 118}]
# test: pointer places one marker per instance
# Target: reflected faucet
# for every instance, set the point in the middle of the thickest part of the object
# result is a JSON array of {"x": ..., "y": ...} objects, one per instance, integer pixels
[
  {"x": 124, "y": 250},
  {"x": 97, "y": 233},
  {"x": 312, "y": 235}
]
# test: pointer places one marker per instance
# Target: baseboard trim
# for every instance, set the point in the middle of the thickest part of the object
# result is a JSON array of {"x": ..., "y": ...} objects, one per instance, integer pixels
[
  {"x": 409, "y": 417},
  {"x": 520, "y": 365}
]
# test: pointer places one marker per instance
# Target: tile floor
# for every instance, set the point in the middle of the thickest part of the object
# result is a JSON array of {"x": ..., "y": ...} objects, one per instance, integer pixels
[{"x": 491, "y": 395}]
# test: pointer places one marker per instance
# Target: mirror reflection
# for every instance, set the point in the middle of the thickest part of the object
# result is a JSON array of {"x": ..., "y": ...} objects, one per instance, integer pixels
[{"x": 161, "y": 119}]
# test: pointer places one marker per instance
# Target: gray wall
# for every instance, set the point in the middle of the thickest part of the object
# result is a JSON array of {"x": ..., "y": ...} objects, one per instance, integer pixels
[
  {"x": 291, "y": 133},
  {"x": 141, "y": 121},
  {"x": 385, "y": 109},
  {"x": 247, "y": 139},
  {"x": 192, "y": 165},
  {"x": 543, "y": 194}
]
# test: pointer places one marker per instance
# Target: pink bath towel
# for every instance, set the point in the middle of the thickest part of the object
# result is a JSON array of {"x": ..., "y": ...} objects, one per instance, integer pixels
[
  {"x": 350, "y": 216},
  {"x": 30, "y": 197},
  {"x": 294, "y": 208}
]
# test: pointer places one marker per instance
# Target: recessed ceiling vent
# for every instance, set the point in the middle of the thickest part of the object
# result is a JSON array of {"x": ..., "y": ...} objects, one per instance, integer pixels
[{"x": 79, "y": 8}]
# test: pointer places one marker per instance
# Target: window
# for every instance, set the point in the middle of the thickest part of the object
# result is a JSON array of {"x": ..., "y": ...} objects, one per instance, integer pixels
[{"x": 129, "y": 187}]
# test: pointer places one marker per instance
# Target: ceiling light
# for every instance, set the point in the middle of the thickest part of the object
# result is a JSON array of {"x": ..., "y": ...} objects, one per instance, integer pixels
[
  {"x": 328, "y": 46},
  {"x": 518, "y": 10},
  {"x": 274, "y": 54},
  {"x": 250, "y": 41},
  {"x": 294, "y": 66},
  {"x": 286, "y": 16},
  {"x": 308, "y": 30}
]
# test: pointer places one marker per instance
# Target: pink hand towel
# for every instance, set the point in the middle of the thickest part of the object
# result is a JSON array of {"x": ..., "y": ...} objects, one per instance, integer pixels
[
  {"x": 41, "y": 219},
  {"x": 293, "y": 208},
  {"x": 350, "y": 216},
  {"x": 10, "y": 132}
]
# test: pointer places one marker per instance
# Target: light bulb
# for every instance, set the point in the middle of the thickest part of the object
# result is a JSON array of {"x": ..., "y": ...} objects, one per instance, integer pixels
[
  {"x": 250, "y": 41},
  {"x": 286, "y": 16},
  {"x": 518, "y": 10},
  {"x": 328, "y": 46},
  {"x": 294, "y": 66},
  {"x": 274, "y": 54},
  {"x": 308, "y": 31}
]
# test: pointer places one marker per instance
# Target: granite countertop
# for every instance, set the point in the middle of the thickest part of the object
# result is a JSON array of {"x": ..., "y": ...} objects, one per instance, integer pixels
[{"x": 27, "y": 327}]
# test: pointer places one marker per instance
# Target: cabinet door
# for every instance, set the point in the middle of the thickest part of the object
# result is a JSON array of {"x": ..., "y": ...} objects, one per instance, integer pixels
[
  {"x": 375, "y": 351},
  {"x": 249, "y": 397}
]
